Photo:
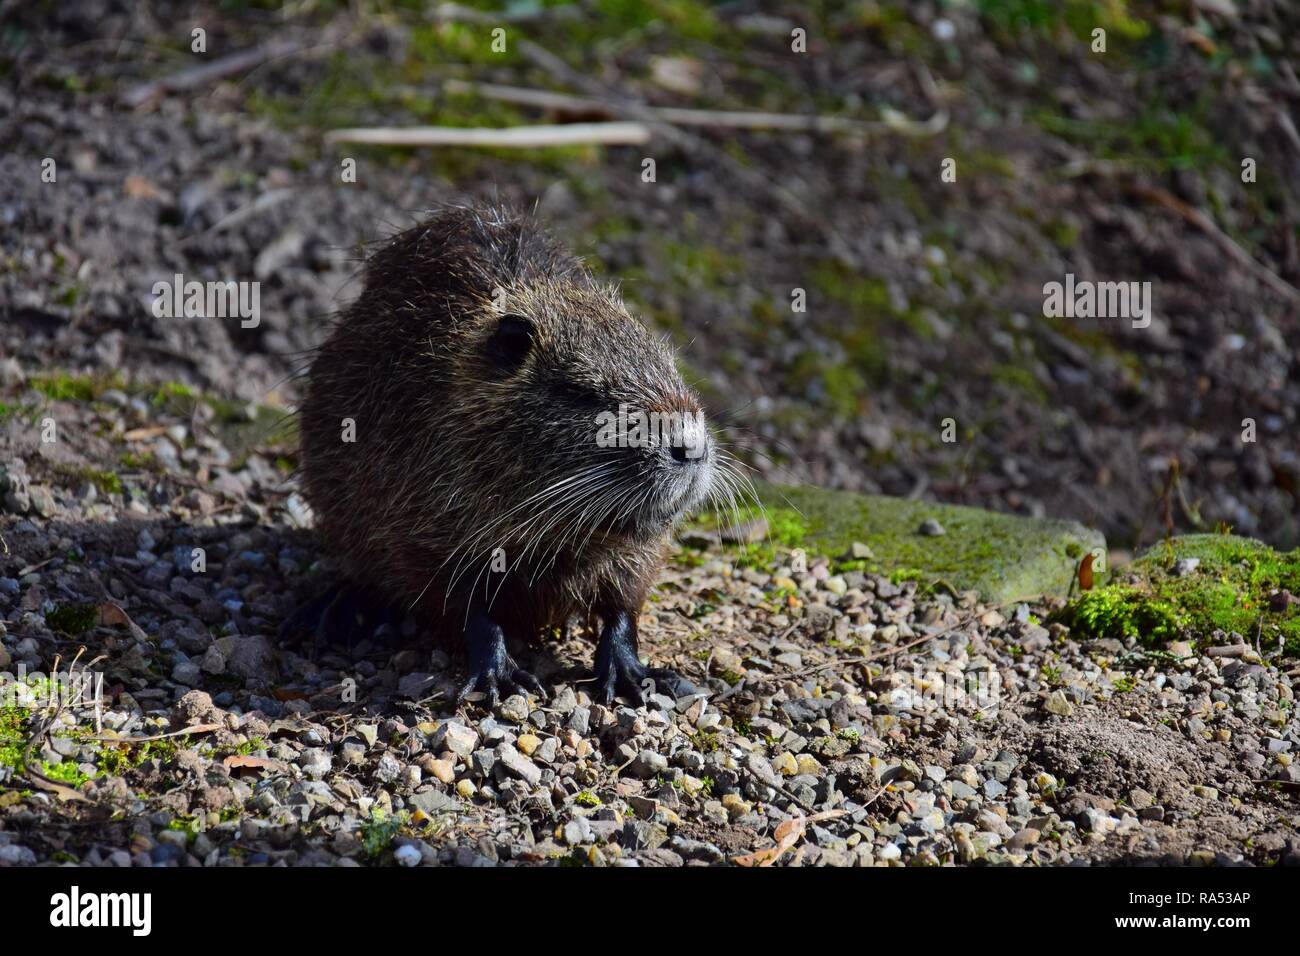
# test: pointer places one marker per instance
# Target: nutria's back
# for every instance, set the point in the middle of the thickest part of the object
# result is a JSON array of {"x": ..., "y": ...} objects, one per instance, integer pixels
[{"x": 449, "y": 432}]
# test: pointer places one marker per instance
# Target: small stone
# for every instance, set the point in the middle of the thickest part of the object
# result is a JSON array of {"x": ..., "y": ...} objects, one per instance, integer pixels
[
  {"x": 517, "y": 765},
  {"x": 1185, "y": 566},
  {"x": 1023, "y": 839},
  {"x": 762, "y": 770},
  {"x": 432, "y": 802},
  {"x": 647, "y": 764},
  {"x": 456, "y": 737},
  {"x": 931, "y": 528},
  {"x": 407, "y": 855},
  {"x": 1097, "y": 821},
  {"x": 577, "y": 831},
  {"x": 528, "y": 743},
  {"x": 709, "y": 720},
  {"x": 415, "y": 686},
  {"x": 861, "y": 552},
  {"x": 1057, "y": 703},
  {"x": 315, "y": 762},
  {"x": 735, "y": 805},
  {"x": 388, "y": 768},
  {"x": 785, "y": 764},
  {"x": 251, "y": 657},
  {"x": 807, "y": 763},
  {"x": 187, "y": 673},
  {"x": 580, "y": 720},
  {"x": 443, "y": 770},
  {"x": 514, "y": 708}
]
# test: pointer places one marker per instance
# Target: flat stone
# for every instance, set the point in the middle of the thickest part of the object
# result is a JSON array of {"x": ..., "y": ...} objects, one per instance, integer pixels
[
  {"x": 517, "y": 765},
  {"x": 1003, "y": 557}
]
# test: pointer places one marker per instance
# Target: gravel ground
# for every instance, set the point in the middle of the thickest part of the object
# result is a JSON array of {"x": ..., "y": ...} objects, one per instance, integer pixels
[{"x": 852, "y": 720}]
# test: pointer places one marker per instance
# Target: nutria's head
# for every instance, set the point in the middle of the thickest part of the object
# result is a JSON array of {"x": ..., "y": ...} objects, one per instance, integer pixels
[{"x": 569, "y": 385}]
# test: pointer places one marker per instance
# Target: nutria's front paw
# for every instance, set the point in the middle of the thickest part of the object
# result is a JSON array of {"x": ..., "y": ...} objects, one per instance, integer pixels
[
  {"x": 619, "y": 676},
  {"x": 491, "y": 668},
  {"x": 494, "y": 678}
]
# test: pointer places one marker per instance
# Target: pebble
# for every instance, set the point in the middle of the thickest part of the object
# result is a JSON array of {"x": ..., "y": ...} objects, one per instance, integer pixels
[
  {"x": 516, "y": 764},
  {"x": 407, "y": 855},
  {"x": 1057, "y": 703}
]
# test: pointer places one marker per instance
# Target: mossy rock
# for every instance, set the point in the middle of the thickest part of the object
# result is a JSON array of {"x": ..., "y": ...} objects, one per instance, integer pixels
[
  {"x": 1003, "y": 557},
  {"x": 1234, "y": 587}
]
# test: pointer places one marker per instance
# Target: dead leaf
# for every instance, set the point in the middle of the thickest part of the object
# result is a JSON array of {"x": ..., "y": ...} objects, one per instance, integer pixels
[
  {"x": 1085, "y": 573},
  {"x": 137, "y": 187},
  {"x": 787, "y": 834},
  {"x": 63, "y": 792},
  {"x": 284, "y": 693},
  {"x": 1199, "y": 40},
  {"x": 112, "y": 615},
  {"x": 144, "y": 434},
  {"x": 237, "y": 761}
]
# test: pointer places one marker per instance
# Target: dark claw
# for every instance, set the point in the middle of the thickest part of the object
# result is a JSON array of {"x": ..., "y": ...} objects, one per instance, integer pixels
[
  {"x": 527, "y": 680},
  {"x": 491, "y": 667},
  {"x": 634, "y": 681},
  {"x": 671, "y": 684},
  {"x": 493, "y": 681},
  {"x": 620, "y": 673}
]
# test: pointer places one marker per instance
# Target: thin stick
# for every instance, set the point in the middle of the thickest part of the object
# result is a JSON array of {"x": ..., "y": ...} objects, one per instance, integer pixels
[
  {"x": 1204, "y": 223},
  {"x": 205, "y": 73},
  {"x": 196, "y": 729},
  {"x": 732, "y": 119},
  {"x": 526, "y": 14},
  {"x": 514, "y": 137}
]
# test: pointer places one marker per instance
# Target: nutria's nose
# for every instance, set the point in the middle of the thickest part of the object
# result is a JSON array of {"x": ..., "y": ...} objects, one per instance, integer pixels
[{"x": 689, "y": 444}]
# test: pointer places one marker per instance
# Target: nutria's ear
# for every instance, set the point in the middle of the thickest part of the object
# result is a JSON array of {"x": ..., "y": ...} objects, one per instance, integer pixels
[{"x": 510, "y": 343}]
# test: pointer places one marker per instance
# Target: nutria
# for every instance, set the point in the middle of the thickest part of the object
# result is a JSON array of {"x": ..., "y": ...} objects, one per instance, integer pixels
[{"x": 452, "y": 456}]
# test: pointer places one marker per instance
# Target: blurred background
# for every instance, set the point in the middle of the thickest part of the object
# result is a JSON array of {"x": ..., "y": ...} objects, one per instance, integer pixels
[{"x": 924, "y": 297}]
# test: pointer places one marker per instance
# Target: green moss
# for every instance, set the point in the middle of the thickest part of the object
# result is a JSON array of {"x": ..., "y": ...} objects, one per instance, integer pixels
[
  {"x": 169, "y": 391},
  {"x": 1002, "y": 556},
  {"x": 1228, "y": 591},
  {"x": 191, "y": 826},
  {"x": 706, "y": 743},
  {"x": 65, "y": 387},
  {"x": 378, "y": 830},
  {"x": 1159, "y": 138},
  {"x": 140, "y": 461},
  {"x": 66, "y": 772},
  {"x": 1021, "y": 380},
  {"x": 72, "y": 619},
  {"x": 587, "y": 799},
  {"x": 1078, "y": 18},
  {"x": 72, "y": 475},
  {"x": 13, "y": 735},
  {"x": 27, "y": 413}
]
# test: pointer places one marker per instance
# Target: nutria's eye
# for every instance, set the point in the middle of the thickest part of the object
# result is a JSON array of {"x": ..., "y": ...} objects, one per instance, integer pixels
[{"x": 510, "y": 344}]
